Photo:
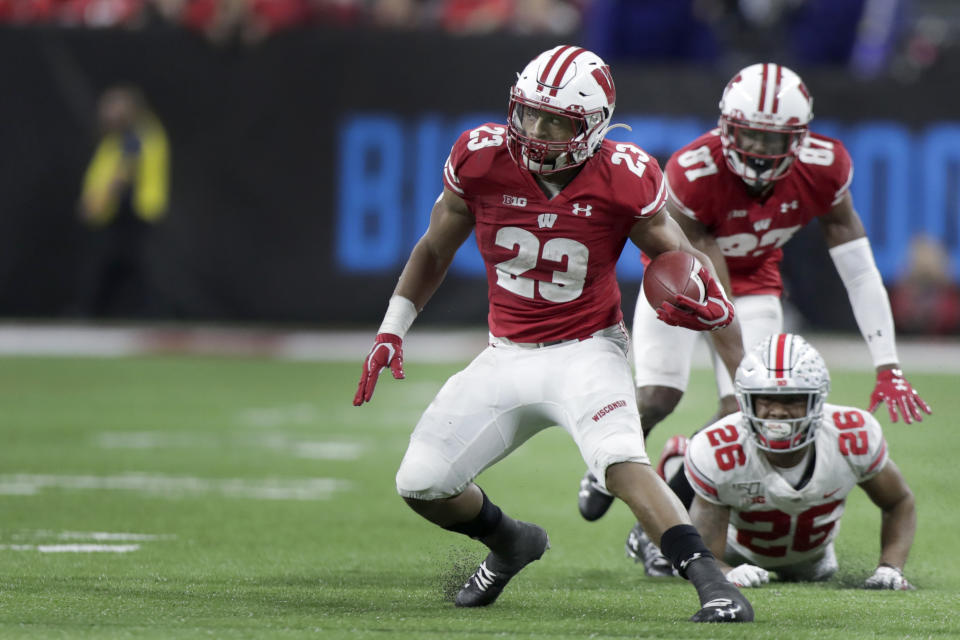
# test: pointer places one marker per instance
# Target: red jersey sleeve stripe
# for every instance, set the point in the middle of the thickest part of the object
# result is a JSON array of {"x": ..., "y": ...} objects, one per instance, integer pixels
[
  {"x": 698, "y": 477},
  {"x": 450, "y": 179},
  {"x": 657, "y": 202},
  {"x": 879, "y": 458}
]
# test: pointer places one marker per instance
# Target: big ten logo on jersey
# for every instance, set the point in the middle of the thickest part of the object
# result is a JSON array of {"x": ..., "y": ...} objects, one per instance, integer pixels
[
  {"x": 751, "y": 492},
  {"x": 514, "y": 201}
]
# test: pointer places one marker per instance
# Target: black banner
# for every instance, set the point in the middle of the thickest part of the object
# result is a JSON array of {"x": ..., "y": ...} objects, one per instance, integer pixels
[{"x": 303, "y": 168}]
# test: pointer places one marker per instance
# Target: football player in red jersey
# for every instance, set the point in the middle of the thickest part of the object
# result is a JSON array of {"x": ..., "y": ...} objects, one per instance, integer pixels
[
  {"x": 740, "y": 192},
  {"x": 772, "y": 480},
  {"x": 552, "y": 204}
]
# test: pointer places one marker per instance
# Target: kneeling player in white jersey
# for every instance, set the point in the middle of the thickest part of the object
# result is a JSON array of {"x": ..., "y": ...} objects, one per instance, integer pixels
[{"x": 771, "y": 481}]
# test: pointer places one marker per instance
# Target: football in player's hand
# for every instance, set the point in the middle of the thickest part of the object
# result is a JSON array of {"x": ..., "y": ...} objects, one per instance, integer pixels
[{"x": 671, "y": 273}]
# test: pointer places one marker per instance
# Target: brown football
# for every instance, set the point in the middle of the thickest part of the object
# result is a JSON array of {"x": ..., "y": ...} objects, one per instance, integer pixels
[{"x": 671, "y": 273}]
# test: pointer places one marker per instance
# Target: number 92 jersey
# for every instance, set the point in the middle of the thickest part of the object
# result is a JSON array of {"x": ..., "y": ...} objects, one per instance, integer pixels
[
  {"x": 773, "y": 524},
  {"x": 748, "y": 230},
  {"x": 551, "y": 262}
]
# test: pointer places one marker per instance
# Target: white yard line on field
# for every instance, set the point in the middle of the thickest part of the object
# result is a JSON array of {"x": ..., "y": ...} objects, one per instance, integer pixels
[
  {"x": 72, "y": 548},
  {"x": 159, "y": 484}
]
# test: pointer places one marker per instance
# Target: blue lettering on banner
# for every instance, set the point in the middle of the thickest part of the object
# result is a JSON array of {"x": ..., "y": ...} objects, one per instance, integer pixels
[
  {"x": 906, "y": 182},
  {"x": 369, "y": 214}
]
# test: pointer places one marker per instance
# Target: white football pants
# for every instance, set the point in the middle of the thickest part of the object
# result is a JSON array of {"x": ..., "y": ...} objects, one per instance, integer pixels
[
  {"x": 509, "y": 393},
  {"x": 663, "y": 354}
]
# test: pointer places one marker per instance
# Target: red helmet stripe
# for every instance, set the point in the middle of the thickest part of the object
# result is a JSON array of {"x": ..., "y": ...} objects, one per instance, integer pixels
[
  {"x": 781, "y": 348},
  {"x": 763, "y": 89},
  {"x": 776, "y": 89},
  {"x": 558, "y": 76},
  {"x": 545, "y": 76}
]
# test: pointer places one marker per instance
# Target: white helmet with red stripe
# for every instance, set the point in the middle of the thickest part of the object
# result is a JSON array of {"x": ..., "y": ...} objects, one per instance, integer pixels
[
  {"x": 568, "y": 82},
  {"x": 764, "y": 116},
  {"x": 781, "y": 365}
]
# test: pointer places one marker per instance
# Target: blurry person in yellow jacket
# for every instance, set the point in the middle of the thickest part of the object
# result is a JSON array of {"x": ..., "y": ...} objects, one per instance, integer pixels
[{"x": 125, "y": 193}]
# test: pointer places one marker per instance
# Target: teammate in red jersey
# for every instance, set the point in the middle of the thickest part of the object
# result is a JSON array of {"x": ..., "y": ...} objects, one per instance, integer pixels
[
  {"x": 740, "y": 192},
  {"x": 552, "y": 204}
]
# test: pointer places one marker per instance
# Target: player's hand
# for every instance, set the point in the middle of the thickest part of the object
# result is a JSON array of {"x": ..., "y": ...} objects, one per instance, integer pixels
[
  {"x": 748, "y": 575},
  {"x": 715, "y": 313},
  {"x": 886, "y": 577},
  {"x": 387, "y": 351},
  {"x": 894, "y": 389}
]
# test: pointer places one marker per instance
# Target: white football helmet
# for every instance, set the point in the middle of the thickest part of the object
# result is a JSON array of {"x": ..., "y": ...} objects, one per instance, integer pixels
[
  {"x": 764, "y": 116},
  {"x": 785, "y": 364},
  {"x": 570, "y": 82}
]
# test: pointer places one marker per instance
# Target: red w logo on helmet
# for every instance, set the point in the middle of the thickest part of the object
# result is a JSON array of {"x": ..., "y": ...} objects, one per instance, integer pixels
[{"x": 605, "y": 80}]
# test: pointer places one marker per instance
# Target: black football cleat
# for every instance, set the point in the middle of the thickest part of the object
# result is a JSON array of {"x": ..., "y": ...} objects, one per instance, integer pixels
[
  {"x": 488, "y": 581},
  {"x": 642, "y": 549},
  {"x": 725, "y": 610},
  {"x": 592, "y": 501}
]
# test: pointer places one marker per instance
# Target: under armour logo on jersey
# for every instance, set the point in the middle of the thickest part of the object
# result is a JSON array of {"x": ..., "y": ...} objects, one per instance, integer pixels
[
  {"x": 514, "y": 201},
  {"x": 546, "y": 220},
  {"x": 585, "y": 210},
  {"x": 786, "y": 206},
  {"x": 761, "y": 225}
]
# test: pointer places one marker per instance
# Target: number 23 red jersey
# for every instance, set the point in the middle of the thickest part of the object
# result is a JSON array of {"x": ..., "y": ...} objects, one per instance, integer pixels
[
  {"x": 551, "y": 262},
  {"x": 748, "y": 230}
]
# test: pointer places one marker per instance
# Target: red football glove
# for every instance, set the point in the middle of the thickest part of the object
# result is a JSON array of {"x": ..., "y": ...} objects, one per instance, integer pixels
[
  {"x": 715, "y": 313},
  {"x": 894, "y": 389},
  {"x": 387, "y": 351}
]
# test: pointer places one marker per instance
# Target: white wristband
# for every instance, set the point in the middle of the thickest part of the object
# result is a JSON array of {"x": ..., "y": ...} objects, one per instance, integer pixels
[
  {"x": 868, "y": 297},
  {"x": 400, "y": 314}
]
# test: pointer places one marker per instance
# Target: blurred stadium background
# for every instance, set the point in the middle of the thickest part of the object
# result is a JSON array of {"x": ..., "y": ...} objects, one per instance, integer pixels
[{"x": 306, "y": 139}]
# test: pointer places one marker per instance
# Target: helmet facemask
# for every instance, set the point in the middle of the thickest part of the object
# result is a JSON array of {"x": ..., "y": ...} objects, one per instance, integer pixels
[
  {"x": 544, "y": 156},
  {"x": 760, "y": 155},
  {"x": 782, "y": 434}
]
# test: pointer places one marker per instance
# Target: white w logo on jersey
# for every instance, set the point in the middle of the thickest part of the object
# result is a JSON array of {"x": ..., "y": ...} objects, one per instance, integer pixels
[
  {"x": 546, "y": 220},
  {"x": 585, "y": 210},
  {"x": 761, "y": 225}
]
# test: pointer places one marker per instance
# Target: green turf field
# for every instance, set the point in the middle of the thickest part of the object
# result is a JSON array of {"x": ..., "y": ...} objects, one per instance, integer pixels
[{"x": 240, "y": 498}]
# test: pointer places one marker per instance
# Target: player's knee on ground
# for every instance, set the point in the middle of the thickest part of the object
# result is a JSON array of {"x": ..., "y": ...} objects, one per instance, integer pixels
[{"x": 655, "y": 404}]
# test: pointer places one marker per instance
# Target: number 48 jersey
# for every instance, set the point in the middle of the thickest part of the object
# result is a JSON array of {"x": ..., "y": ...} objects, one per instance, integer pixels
[
  {"x": 772, "y": 523},
  {"x": 749, "y": 230},
  {"x": 551, "y": 262}
]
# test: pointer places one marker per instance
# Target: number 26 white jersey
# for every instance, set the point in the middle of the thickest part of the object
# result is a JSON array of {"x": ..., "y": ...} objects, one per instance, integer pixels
[{"x": 772, "y": 523}]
